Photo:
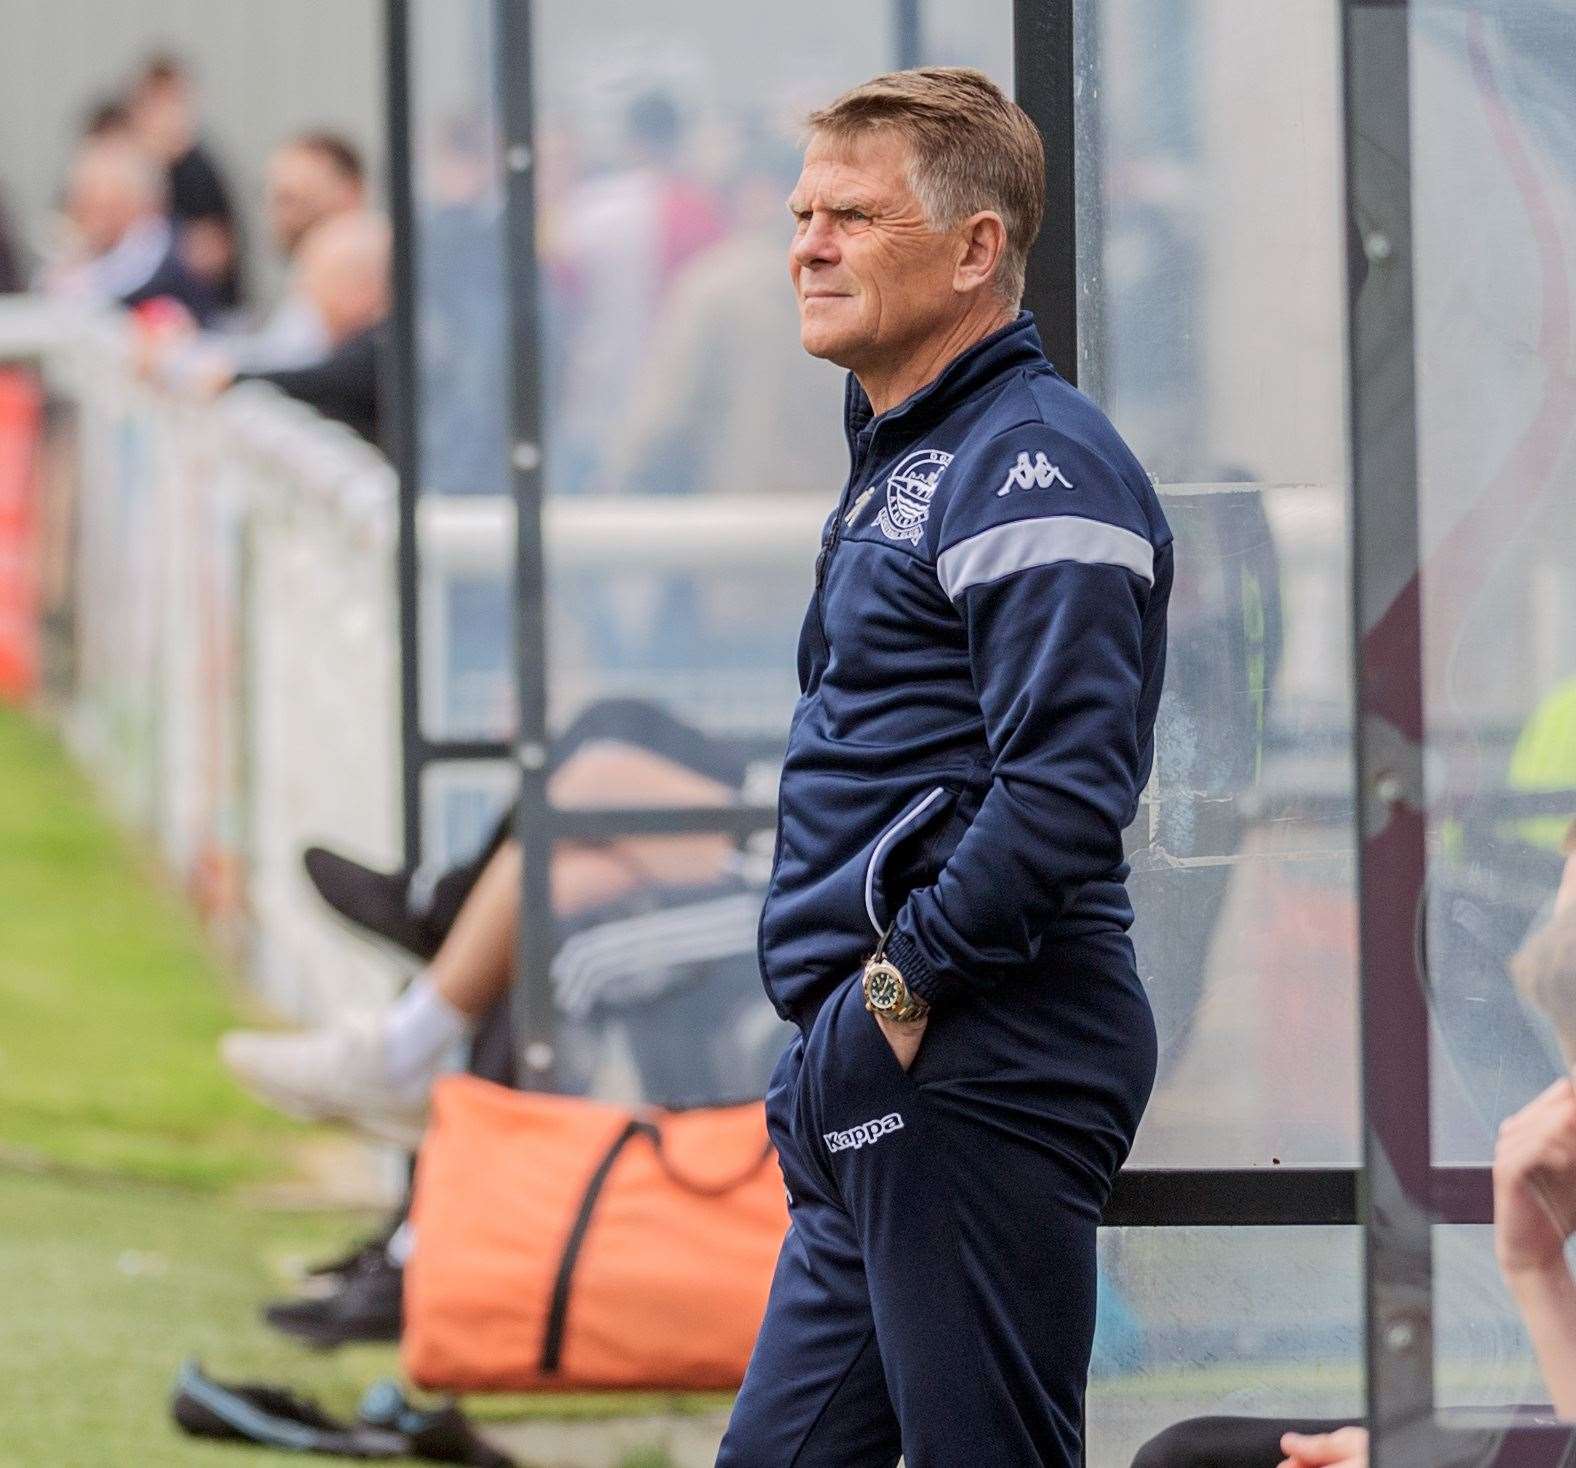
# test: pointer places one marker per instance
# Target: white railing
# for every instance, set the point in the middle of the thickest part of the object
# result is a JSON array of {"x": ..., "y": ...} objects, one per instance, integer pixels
[
  {"x": 233, "y": 639},
  {"x": 234, "y": 635}
]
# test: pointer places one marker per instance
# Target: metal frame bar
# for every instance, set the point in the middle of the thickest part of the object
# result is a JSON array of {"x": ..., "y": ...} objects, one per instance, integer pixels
[
  {"x": 1403, "y": 1192},
  {"x": 402, "y": 419},
  {"x": 908, "y": 34},
  {"x": 532, "y": 992},
  {"x": 1043, "y": 64},
  {"x": 1388, "y": 738}
]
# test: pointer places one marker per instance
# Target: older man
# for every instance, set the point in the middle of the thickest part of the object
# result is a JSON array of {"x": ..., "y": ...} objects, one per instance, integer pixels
[
  {"x": 980, "y": 667},
  {"x": 127, "y": 249},
  {"x": 344, "y": 274}
]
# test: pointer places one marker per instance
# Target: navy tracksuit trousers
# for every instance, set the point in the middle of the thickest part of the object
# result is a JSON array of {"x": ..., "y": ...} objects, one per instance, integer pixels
[{"x": 935, "y": 1294}]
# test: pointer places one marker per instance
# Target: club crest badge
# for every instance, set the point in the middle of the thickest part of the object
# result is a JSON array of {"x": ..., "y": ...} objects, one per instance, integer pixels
[{"x": 909, "y": 488}]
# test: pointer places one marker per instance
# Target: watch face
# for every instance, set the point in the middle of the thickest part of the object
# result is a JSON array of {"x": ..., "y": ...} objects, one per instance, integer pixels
[{"x": 885, "y": 987}]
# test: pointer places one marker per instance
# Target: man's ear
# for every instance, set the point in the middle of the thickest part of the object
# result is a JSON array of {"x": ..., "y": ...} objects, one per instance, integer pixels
[{"x": 982, "y": 240}]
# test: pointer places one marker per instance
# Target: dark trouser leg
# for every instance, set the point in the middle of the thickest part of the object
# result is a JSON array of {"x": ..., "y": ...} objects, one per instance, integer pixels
[
  {"x": 972, "y": 1188},
  {"x": 814, "y": 1395},
  {"x": 1227, "y": 1442}
]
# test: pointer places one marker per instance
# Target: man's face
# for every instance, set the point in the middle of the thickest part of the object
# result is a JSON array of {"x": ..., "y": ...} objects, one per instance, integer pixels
[
  {"x": 161, "y": 117},
  {"x": 101, "y": 204},
  {"x": 303, "y": 190},
  {"x": 873, "y": 278}
]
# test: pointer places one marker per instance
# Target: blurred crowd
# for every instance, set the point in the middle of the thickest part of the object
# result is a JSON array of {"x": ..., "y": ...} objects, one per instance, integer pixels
[
  {"x": 647, "y": 260},
  {"x": 147, "y": 222}
]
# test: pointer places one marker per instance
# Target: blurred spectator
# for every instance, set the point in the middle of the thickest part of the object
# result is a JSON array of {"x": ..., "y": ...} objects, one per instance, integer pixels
[
  {"x": 463, "y": 326},
  {"x": 617, "y": 244},
  {"x": 734, "y": 386},
  {"x": 124, "y": 242},
  {"x": 311, "y": 178},
  {"x": 344, "y": 273},
  {"x": 163, "y": 117}
]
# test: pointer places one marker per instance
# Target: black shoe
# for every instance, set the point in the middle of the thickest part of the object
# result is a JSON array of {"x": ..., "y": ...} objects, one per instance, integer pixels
[
  {"x": 332, "y": 1275},
  {"x": 337, "y": 1271},
  {"x": 351, "y": 1261},
  {"x": 376, "y": 901},
  {"x": 254, "y": 1413},
  {"x": 366, "y": 1307},
  {"x": 440, "y": 1435}
]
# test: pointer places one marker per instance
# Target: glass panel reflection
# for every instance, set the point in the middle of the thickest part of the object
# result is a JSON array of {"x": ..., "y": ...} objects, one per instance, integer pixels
[
  {"x": 1494, "y": 199},
  {"x": 1208, "y": 176},
  {"x": 1252, "y": 1322},
  {"x": 465, "y": 525},
  {"x": 693, "y": 448}
]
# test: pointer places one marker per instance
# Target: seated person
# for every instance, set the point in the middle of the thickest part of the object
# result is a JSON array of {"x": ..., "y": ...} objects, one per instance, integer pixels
[
  {"x": 1534, "y": 1214},
  {"x": 376, "y": 1070},
  {"x": 691, "y": 1008}
]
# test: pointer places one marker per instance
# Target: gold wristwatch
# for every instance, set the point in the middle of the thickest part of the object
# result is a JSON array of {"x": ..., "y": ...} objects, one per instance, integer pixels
[{"x": 886, "y": 994}]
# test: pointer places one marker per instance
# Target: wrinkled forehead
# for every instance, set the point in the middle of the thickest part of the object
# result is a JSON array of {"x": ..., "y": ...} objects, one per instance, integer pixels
[{"x": 869, "y": 167}]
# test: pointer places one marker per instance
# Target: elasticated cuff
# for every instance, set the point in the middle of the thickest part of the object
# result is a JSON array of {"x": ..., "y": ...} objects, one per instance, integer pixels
[{"x": 921, "y": 978}]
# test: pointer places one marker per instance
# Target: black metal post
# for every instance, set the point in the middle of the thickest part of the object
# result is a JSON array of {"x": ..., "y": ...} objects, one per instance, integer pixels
[
  {"x": 401, "y": 417},
  {"x": 1388, "y": 739},
  {"x": 1404, "y": 1193},
  {"x": 1092, "y": 338},
  {"x": 1043, "y": 74},
  {"x": 532, "y": 994},
  {"x": 908, "y": 36}
]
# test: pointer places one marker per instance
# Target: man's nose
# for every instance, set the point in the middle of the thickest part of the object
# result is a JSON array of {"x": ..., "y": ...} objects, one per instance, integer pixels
[{"x": 817, "y": 244}]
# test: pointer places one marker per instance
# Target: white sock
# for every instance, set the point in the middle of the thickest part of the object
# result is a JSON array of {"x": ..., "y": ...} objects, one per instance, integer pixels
[
  {"x": 400, "y": 1243},
  {"x": 421, "y": 1026}
]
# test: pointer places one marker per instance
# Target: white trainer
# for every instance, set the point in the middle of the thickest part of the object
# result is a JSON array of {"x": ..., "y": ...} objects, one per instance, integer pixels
[{"x": 337, "y": 1073}]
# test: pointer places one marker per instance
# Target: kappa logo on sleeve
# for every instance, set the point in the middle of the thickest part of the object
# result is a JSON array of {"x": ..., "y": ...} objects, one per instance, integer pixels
[
  {"x": 1041, "y": 474},
  {"x": 863, "y": 1134}
]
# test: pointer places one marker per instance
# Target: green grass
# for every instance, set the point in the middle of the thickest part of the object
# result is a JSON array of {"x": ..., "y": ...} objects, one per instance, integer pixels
[
  {"x": 108, "y": 1286},
  {"x": 110, "y": 1001},
  {"x": 127, "y": 1155}
]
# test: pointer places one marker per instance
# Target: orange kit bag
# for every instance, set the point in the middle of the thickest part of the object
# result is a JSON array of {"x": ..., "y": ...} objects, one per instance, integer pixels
[{"x": 561, "y": 1243}]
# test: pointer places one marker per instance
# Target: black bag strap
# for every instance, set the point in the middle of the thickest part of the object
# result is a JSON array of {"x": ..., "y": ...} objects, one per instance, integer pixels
[
  {"x": 692, "y": 1185},
  {"x": 558, "y": 1307}
]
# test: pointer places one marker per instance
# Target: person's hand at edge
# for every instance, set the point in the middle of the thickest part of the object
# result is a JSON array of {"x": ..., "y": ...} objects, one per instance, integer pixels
[
  {"x": 1346, "y": 1448},
  {"x": 1534, "y": 1214},
  {"x": 1535, "y": 1185}
]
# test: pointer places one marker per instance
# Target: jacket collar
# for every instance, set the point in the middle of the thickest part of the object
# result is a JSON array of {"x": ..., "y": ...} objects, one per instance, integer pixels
[{"x": 1008, "y": 348}]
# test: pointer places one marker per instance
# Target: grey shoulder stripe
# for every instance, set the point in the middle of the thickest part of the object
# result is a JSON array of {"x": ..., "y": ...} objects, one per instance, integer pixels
[{"x": 1019, "y": 544}]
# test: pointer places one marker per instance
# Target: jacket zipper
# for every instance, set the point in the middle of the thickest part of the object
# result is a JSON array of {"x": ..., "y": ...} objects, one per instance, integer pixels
[
  {"x": 856, "y": 473},
  {"x": 862, "y": 457}
]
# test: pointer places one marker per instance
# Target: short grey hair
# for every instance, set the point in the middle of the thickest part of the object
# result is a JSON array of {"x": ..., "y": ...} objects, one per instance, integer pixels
[{"x": 971, "y": 148}]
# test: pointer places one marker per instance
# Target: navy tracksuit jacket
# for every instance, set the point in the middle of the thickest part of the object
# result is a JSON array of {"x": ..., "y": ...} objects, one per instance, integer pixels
[{"x": 980, "y": 665}]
